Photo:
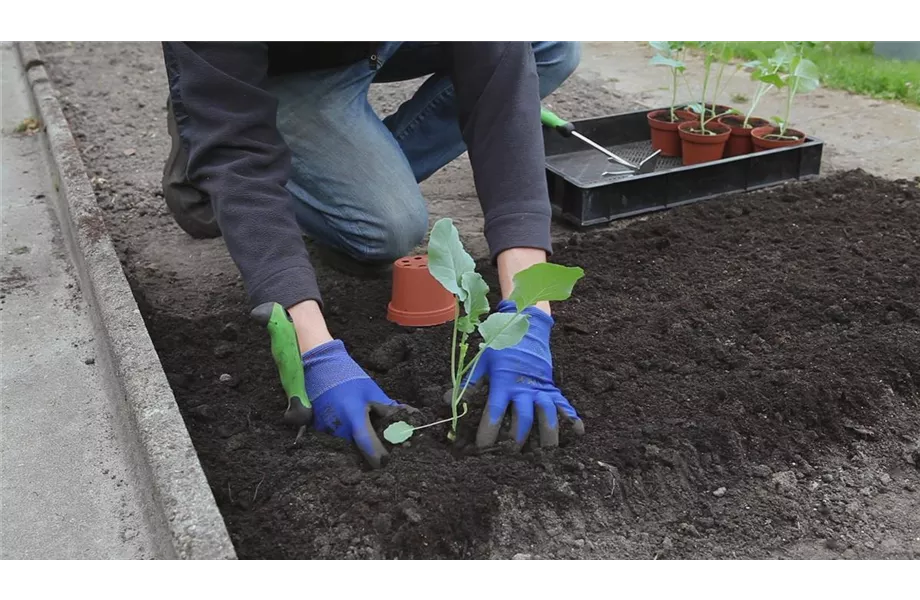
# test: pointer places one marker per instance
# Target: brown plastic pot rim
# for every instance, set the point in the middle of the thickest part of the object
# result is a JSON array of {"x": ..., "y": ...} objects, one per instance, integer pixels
[
  {"x": 697, "y": 138},
  {"x": 420, "y": 319},
  {"x": 755, "y": 122},
  {"x": 663, "y": 111},
  {"x": 760, "y": 132}
]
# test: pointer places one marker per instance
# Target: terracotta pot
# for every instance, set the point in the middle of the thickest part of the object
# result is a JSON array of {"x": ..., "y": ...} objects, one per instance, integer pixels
[
  {"x": 417, "y": 299},
  {"x": 739, "y": 141},
  {"x": 761, "y": 142},
  {"x": 664, "y": 132},
  {"x": 700, "y": 148}
]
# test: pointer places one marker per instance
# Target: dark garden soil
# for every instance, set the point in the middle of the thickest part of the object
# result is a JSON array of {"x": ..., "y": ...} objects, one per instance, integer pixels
[
  {"x": 738, "y": 121},
  {"x": 666, "y": 118},
  {"x": 748, "y": 370}
]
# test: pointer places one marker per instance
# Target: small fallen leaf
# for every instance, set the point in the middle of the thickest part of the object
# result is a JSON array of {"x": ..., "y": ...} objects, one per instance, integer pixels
[
  {"x": 29, "y": 125},
  {"x": 397, "y": 433}
]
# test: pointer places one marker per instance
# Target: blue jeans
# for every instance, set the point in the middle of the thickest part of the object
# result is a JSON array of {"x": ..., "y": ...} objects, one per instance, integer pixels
[{"x": 354, "y": 176}]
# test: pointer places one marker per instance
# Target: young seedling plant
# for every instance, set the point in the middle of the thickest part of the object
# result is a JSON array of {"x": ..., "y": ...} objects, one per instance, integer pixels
[
  {"x": 766, "y": 74},
  {"x": 454, "y": 268},
  {"x": 725, "y": 57},
  {"x": 801, "y": 77},
  {"x": 700, "y": 107},
  {"x": 669, "y": 55}
]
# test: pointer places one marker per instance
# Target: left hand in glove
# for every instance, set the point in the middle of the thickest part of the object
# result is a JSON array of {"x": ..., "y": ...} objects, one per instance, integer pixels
[
  {"x": 343, "y": 398},
  {"x": 522, "y": 376}
]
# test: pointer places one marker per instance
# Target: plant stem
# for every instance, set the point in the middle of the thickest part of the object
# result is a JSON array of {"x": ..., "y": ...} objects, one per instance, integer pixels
[
  {"x": 465, "y": 410},
  {"x": 703, "y": 95},
  {"x": 453, "y": 343},
  {"x": 673, "y": 92},
  {"x": 472, "y": 364},
  {"x": 690, "y": 91},
  {"x": 715, "y": 92},
  {"x": 792, "y": 90},
  {"x": 758, "y": 96}
]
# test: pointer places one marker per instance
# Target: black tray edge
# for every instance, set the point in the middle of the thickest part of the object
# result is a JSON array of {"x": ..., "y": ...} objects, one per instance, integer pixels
[{"x": 808, "y": 170}]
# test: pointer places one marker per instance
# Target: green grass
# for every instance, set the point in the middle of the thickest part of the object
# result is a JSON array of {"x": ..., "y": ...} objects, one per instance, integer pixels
[{"x": 851, "y": 66}]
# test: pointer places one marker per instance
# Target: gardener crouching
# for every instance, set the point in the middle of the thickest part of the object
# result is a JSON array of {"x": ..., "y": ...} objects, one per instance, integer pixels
[{"x": 274, "y": 140}]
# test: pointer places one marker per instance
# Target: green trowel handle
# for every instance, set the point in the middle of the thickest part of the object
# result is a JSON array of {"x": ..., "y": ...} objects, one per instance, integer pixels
[
  {"x": 286, "y": 351},
  {"x": 550, "y": 119}
]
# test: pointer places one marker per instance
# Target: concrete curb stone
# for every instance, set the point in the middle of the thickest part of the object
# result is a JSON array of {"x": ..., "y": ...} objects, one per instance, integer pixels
[{"x": 180, "y": 493}]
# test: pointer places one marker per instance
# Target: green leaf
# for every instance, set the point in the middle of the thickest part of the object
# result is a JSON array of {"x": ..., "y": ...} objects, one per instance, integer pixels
[
  {"x": 464, "y": 325},
  {"x": 447, "y": 260},
  {"x": 664, "y": 47},
  {"x": 544, "y": 282},
  {"x": 783, "y": 56},
  {"x": 807, "y": 70},
  {"x": 772, "y": 79},
  {"x": 806, "y": 85},
  {"x": 667, "y": 62},
  {"x": 503, "y": 330},
  {"x": 696, "y": 107},
  {"x": 477, "y": 302},
  {"x": 398, "y": 432}
]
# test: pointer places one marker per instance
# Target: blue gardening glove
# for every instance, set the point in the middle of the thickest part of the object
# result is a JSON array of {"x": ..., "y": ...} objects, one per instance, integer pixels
[
  {"x": 522, "y": 376},
  {"x": 343, "y": 397}
]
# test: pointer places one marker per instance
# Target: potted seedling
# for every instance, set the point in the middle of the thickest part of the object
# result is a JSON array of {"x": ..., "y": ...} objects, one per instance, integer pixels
[
  {"x": 663, "y": 123},
  {"x": 454, "y": 268},
  {"x": 722, "y": 56},
  {"x": 801, "y": 77},
  {"x": 703, "y": 139},
  {"x": 766, "y": 73}
]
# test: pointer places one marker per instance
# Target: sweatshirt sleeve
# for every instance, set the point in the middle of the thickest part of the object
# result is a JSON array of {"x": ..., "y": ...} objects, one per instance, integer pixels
[
  {"x": 498, "y": 98},
  {"x": 239, "y": 159}
]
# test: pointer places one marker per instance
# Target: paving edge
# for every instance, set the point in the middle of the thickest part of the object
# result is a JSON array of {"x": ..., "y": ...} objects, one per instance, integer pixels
[{"x": 181, "y": 491}]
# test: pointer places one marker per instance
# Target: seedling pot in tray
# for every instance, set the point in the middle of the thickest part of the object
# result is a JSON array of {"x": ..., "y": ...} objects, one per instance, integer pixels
[
  {"x": 701, "y": 147},
  {"x": 417, "y": 299},
  {"x": 582, "y": 194},
  {"x": 664, "y": 132},
  {"x": 739, "y": 141},
  {"x": 760, "y": 137}
]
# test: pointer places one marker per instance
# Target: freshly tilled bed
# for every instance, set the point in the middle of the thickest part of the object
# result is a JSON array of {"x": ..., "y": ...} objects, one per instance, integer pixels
[{"x": 748, "y": 370}]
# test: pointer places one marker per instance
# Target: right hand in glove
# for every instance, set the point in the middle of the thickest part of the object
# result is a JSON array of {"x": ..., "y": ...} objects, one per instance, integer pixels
[{"x": 343, "y": 397}]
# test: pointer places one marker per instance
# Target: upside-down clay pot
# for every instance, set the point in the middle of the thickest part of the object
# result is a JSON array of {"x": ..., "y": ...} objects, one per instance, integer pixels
[
  {"x": 664, "y": 131},
  {"x": 761, "y": 141},
  {"x": 739, "y": 140},
  {"x": 417, "y": 299},
  {"x": 700, "y": 148}
]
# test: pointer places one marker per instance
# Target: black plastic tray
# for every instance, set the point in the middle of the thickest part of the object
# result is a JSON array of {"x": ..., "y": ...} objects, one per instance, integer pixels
[{"x": 581, "y": 196}]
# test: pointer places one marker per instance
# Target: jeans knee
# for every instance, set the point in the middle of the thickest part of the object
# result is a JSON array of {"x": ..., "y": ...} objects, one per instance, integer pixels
[
  {"x": 400, "y": 234},
  {"x": 556, "y": 61}
]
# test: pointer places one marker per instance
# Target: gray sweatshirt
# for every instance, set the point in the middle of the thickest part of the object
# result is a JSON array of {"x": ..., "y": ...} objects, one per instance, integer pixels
[{"x": 239, "y": 159}]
